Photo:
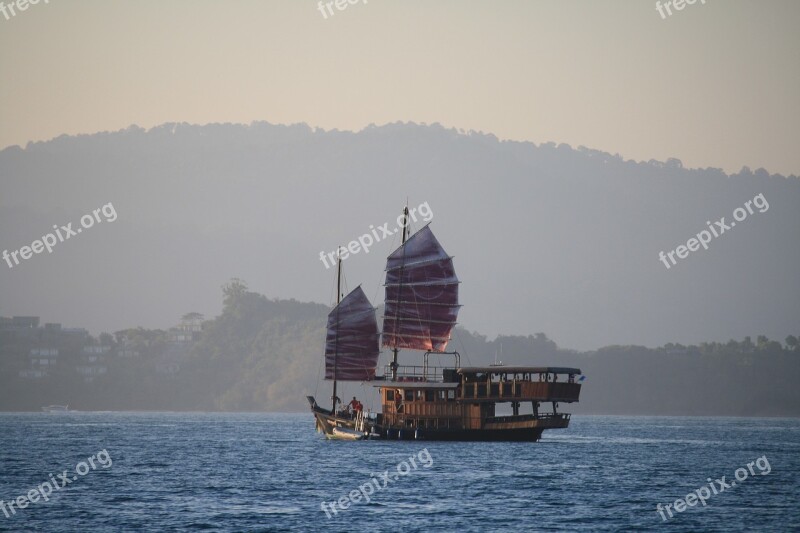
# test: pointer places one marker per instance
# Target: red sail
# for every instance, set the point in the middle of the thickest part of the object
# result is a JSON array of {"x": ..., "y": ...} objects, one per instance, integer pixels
[
  {"x": 421, "y": 295},
  {"x": 352, "y": 345}
]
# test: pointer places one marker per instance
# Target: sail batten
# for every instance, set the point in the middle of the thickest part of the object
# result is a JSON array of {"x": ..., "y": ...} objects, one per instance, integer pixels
[
  {"x": 421, "y": 295},
  {"x": 352, "y": 345}
]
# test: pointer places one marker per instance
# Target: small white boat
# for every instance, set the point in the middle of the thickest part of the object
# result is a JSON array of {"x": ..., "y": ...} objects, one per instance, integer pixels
[
  {"x": 55, "y": 408},
  {"x": 346, "y": 434}
]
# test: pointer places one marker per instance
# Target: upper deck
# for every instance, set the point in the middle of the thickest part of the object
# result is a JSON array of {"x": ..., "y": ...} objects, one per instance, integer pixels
[{"x": 492, "y": 384}]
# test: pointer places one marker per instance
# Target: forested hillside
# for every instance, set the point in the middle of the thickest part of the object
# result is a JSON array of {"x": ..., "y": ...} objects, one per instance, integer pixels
[{"x": 261, "y": 354}]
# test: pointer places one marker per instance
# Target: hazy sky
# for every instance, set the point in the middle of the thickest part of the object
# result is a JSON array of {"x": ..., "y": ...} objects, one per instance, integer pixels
[{"x": 713, "y": 85}]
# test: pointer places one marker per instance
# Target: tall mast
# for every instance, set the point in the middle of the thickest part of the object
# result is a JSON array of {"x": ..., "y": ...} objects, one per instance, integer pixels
[
  {"x": 393, "y": 366},
  {"x": 338, "y": 301}
]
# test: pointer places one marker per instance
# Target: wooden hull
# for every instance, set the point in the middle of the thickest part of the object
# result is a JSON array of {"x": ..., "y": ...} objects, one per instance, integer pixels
[
  {"x": 467, "y": 435},
  {"x": 524, "y": 428}
]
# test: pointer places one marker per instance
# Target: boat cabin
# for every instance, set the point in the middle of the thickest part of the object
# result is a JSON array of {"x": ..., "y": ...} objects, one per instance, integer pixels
[{"x": 466, "y": 398}]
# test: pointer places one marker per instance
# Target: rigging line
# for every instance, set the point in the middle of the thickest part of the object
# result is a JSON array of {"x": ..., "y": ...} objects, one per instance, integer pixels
[
  {"x": 406, "y": 237},
  {"x": 345, "y": 285},
  {"x": 379, "y": 319},
  {"x": 332, "y": 301},
  {"x": 319, "y": 371},
  {"x": 381, "y": 274},
  {"x": 463, "y": 348}
]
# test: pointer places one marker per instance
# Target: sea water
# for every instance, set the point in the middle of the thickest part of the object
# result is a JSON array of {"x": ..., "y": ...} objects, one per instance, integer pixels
[{"x": 273, "y": 472}]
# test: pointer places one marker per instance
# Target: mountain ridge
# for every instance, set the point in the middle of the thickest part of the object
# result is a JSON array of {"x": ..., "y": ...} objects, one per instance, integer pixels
[{"x": 571, "y": 236}]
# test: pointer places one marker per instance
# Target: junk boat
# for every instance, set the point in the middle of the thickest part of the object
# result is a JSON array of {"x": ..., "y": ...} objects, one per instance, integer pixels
[{"x": 422, "y": 401}]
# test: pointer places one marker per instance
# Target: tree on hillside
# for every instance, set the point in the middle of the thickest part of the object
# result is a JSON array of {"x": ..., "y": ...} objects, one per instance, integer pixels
[
  {"x": 747, "y": 345},
  {"x": 233, "y": 290},
  {"x": 761, "y": 342},
  {"x": 791, "y": 342}
]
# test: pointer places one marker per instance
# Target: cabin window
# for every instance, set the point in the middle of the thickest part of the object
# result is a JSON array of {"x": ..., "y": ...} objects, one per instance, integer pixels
[
  {"x": 409, "y": 395},
  {"x": 494, "y": 389},
  {"x": 481, "y": 390},
  {"x": 469, "y": 391},
  {"x": 389, "y": 395},
  {"x": 442, "y": 395},
  {"x": 429, "y": 395},
  {"x": 451, "y": 394}
]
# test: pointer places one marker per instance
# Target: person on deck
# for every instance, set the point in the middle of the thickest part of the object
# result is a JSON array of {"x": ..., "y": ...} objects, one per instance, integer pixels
[
  {"x": 355, "y": 405},
  {"x": 340, "y": 409},
  {"x": 398, "y": 401}
]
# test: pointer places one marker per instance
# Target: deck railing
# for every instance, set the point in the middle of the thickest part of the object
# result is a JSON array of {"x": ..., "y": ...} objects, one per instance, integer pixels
[{"x": 430, "y": 374}]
